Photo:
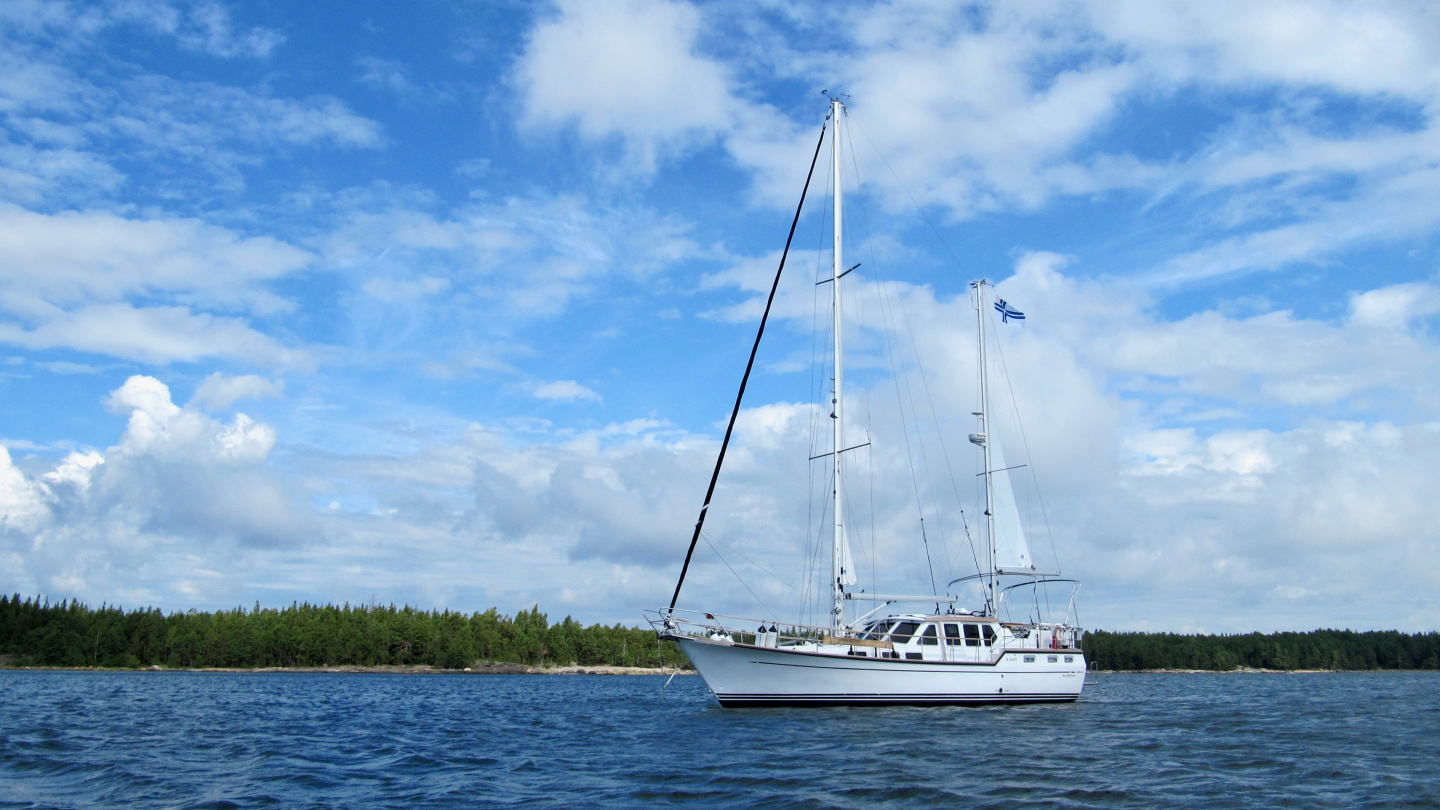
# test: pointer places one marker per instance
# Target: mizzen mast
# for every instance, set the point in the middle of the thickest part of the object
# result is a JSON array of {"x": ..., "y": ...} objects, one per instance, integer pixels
[{"x": 983, "y": 439}]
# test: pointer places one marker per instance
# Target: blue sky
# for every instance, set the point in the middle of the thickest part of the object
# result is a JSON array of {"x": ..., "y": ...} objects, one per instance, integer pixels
[{"x": 446, "y": 303}]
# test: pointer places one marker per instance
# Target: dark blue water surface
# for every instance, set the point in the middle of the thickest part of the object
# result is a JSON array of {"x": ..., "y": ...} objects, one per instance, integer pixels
[{"x": 179, "y": 739}]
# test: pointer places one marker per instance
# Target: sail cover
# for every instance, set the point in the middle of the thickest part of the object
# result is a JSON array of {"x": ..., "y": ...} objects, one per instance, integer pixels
[{"x": 1011, "y": 549}]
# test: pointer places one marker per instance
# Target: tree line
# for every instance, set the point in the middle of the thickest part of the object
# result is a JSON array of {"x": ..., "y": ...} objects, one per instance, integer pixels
[
  {"x": 35, "y": 632},
  {"x": 1317, "y": 649}
]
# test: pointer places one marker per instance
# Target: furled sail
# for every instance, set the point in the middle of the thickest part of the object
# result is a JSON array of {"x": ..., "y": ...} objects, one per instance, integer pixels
[
  {"x": 847, "y": 563},
  {"x": 1011, "y": 549}
]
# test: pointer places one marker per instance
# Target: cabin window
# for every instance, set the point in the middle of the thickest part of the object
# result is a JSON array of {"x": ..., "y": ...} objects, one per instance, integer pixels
[
  {"x": 952, "y": 634},
  {"x": 1029, "y": 659},
  {"x": 972, "y": 635},
  {"x": 1069, "y": 659},
  {"x": 903, "y": 632},
  {"x": 914, "y": 656},
  {"x": 930, "y": 636},
  {"x": 877, "y": 630},
  {"x": 989, "y": 634},
  {"x": 1054, "y": 659}
]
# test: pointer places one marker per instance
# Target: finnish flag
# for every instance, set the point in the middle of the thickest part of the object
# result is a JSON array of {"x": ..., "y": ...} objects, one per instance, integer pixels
[{"x": 1007, "y": 312}]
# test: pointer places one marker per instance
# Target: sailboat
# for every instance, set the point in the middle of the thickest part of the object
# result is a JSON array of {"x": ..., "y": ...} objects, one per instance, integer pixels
[{"x": 882, "y": 655}]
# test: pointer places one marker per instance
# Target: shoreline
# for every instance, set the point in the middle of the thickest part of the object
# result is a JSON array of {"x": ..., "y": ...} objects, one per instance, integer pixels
[{"x": 481, "y": 668}]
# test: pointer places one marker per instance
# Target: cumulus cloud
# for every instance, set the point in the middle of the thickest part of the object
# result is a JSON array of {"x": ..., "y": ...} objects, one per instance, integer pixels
[
  {"x": 624, "y": 68},
  {"x": 179, "y": 492},
  {"x": 1159, "y": 493}
]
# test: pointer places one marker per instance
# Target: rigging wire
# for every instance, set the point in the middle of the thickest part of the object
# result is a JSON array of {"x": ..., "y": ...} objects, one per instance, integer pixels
[
  {"x": 935, "y": 417},
  {"x": 909, "y": 450},
  {"x": 743, "y": 583},
  {"x": 1025, "y": 442},
  {"x": 913, "y": 201},
  {"x": 895, "y": 376},
  {"x": 809, "y": 606},
  {"x": 946, "y": 245},
  {"x": 859, "y": 298},
  {"x": 713, "y": 539},
  {"x": 915, "y": 414}
]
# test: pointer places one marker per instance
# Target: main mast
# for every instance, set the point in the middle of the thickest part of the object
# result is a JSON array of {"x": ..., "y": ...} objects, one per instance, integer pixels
[{"x": 837, "y": 396}]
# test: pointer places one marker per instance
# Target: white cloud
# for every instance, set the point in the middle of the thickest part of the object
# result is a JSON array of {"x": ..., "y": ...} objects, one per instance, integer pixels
[
  {"x": 154, "y": 335},
  {"x": 79, "y": 134},
  {"x": 220, "y": 391},
  {"x": 1394, "y": 307},
  {"x": 526, "y": 258},
  {"x": 199, "y": 26},
  {"x": 69, "y": 279},
  {"x": 564, "y": 390},
  {"x": 21, "y": 507},
  {"x": 1373, "y": 48},
  {"x": 143, "y": 395},
  {"x": 624, "y": 68},
  {"x": 190, "y": 120},
  {"x": 67, "y": 367},
  {"x": 207, "y": 27},
  {"x": 78, "y": 257},
  {"x": 1002, "y": 107},
  {"x": 179, "y": 490},
  {"x": 1157, "y": 515},
  {"x": 1228, "y": 527},
  {"x": 394, "y": 77},
  {"x": 388, "y": 289}
]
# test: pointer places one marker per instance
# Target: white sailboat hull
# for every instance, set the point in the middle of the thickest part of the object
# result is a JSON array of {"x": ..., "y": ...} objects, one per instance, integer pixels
[{"x": 742, "y": 675}]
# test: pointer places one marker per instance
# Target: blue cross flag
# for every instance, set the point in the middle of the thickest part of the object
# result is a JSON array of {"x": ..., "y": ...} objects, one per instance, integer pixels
[{"x": 1007, "y": 312}]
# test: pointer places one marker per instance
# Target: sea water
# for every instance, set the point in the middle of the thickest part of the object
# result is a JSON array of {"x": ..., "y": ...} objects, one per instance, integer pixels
[{"x": 181, "y": 739}]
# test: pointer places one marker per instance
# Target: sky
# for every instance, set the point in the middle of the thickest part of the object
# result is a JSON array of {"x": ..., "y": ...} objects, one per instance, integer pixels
[{"x": 446, "y": 303}]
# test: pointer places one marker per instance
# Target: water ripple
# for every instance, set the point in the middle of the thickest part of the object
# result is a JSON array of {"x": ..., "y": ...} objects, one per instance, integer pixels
[{"x": 229, "y": 740}]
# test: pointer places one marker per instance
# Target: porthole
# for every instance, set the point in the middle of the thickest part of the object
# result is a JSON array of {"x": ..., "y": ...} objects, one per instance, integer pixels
[
  {"x": 1054, "y": 659},
  {"x": 1029, "y": 659},
  {"x": 1069, "y": 659}
]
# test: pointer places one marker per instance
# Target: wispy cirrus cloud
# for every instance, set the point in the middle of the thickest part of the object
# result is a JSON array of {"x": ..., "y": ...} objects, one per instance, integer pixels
[{"x": 196, "y": 25}]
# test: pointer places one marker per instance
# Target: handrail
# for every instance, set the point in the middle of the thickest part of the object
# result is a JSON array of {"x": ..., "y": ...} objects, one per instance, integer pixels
[{"x": 1047, "y": 637}]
